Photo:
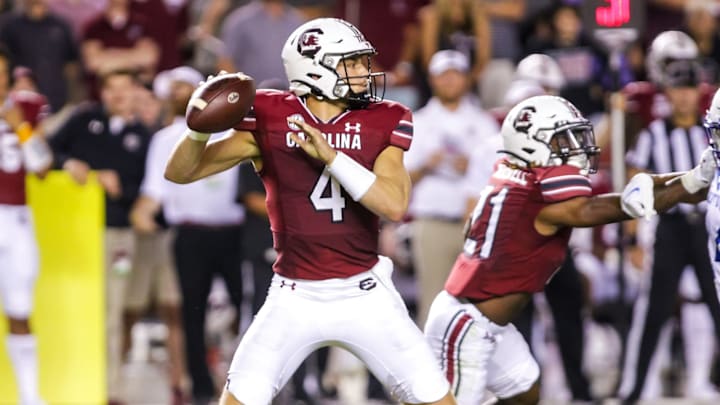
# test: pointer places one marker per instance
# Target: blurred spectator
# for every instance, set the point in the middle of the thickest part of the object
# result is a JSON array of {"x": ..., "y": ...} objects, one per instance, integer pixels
[
  {"x": 701, "y": 23},
  {"x": 504, "y": 17},
  {"x": 663, "y": 15},
  {"x": 393, "y": 27},
  {"x": 461, "y": 25},
  {"x": 206, "y": 16},
  {"x": 18, "y": 248},
  {"x": 543, "y": 70},
  {"x": 77, "y": 13},
  {"x": 312, "y": 9},
  {"x": 107, "y": 138},
  {"x": 447, "y": 129},
  {"x": 154, "y": 273},
  {"x": 170, "y": 35},
  {"x": 518, "y": 91},
  {"x": 581, "y": 62},
  {"x": 259, "y": 29},
  {"x": 208, "y": 227},
  {"x": 44, "y": 43},
  {"x": 118, "y": 39},
  {"x": 536, "y": 25},
  {"x": 149, "y": 109}
]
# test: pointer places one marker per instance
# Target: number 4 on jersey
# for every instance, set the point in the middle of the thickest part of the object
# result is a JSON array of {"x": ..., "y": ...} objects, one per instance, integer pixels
[{"x": 334, "y": 200}]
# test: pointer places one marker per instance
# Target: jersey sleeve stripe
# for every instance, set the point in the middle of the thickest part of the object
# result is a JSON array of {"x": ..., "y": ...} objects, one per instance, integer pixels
[
  {"x": 568, "y": 189},
  {"x": 565, "y": 177},
  {"x": 561, "y": 183},
  {"x": 405, "y": 129},
  {"x": 400, "y": 134}
]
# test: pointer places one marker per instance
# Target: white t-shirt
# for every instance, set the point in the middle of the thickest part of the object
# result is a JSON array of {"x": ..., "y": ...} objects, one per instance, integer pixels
[
  {"x": 442, "y": 193},
  {"x": 209, "y": 201}
]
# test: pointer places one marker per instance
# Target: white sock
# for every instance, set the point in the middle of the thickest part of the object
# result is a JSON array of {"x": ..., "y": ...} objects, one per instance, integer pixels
[{"x": 23, "y": 355}]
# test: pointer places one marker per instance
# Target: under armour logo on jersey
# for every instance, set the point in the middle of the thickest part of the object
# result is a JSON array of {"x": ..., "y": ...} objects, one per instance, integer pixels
[
  {"x": 291, "y": 285},
  {"x": 349, "y": 127},
  {"x": 367, "y": 284}
]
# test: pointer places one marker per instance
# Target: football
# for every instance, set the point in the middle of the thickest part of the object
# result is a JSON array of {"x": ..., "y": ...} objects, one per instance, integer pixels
[{"x": 220, "y": 103}]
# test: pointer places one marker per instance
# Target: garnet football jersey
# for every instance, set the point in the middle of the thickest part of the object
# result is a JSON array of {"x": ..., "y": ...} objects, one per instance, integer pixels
[
  {"x": 318, "y": 230},
  {"x": 12, "y": 171},
  {"x": 503, "y": 252}
]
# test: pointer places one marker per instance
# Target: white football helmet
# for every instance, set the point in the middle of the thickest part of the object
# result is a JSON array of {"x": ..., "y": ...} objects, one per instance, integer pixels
[
  {"x": 541, "y": 69},
  {"x": 668, "y": 46},
  {"x": 549, "y": 131},
  {"x": 712, "y": 125},
  {"x": 312, "y": 53}
]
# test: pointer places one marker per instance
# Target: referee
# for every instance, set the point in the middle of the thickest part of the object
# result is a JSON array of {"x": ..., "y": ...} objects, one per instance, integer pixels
[{"x": 669, "y": 145}]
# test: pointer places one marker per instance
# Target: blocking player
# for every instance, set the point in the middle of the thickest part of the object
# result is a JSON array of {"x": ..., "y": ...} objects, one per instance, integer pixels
[
  {"x": 712, "y": 218},
  {"x": 517, "y": 238},
  {"x": 21, "y": 151},
  {"x": 330, "y": 154}
]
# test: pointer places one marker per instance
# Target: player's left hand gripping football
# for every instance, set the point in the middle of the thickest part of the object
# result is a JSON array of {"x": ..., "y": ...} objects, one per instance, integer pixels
[
  {"x": 314, "y": 143},
  {"x": 638, "y": 199}
]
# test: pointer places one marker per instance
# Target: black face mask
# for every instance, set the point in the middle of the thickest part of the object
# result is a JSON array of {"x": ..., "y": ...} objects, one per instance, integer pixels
[
  {"x": 575, "y": 141},
  {"x": 375, "y": 90}
]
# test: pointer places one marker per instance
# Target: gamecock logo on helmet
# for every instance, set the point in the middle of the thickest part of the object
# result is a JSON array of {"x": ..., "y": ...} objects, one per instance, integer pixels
[
  {"x": 309, "y": 42},
  {"x": 523, "y": 120}
]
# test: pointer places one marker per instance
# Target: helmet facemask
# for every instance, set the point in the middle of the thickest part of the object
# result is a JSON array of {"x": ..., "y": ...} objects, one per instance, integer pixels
[
  {"x": 574, "y": 144},
  {"x": 712, "y": 130},
  {"x": 343, "y": 88}
]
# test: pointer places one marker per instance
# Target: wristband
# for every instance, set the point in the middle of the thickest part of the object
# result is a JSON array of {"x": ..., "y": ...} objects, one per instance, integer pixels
[
  {"x": 198, "y": 136},
  {"x": 354, "y": 178},
  {"x": 691, "y": 182}
]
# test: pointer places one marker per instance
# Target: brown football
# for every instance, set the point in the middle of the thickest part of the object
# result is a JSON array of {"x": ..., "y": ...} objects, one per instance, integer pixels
[{"x": 220, "y": 103}]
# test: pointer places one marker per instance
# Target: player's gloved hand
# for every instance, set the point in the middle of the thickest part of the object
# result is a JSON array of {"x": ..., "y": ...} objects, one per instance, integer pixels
[
  {"x": 314, "y": 144},
  {"x": 637, "y": 198},
  {"x": 701, "y": 175}
]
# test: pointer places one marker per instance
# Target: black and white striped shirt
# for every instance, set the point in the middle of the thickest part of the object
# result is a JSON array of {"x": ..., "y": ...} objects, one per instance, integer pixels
[{"x": 664, "y": 148}]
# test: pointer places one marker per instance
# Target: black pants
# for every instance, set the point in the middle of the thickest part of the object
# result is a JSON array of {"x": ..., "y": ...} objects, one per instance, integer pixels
[
  {"x": 678, "y": 243},
  {"x": 564, "y": 295},
  {"x": 201, "y": 253}
]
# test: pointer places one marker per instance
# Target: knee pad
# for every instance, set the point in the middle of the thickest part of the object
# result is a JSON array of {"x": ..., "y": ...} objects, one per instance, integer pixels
[
  {"x": 426, "y": 387},
  {"x": 249, "y": 391}
]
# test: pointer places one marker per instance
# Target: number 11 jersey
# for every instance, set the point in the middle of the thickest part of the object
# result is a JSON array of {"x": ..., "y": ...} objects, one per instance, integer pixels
[
  {"x": 503, "y": 253},
  {"x": 319, "y": 232}
]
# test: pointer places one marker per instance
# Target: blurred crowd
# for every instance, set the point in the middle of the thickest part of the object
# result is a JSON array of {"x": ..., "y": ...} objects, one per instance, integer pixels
[{"x": 607, "y": 326}]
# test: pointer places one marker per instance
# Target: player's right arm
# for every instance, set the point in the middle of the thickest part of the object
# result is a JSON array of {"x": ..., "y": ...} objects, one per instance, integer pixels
[
  {"x": 668, "y": 190},
  {"x": 194, "y": 158}
]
